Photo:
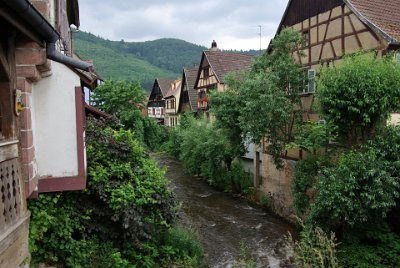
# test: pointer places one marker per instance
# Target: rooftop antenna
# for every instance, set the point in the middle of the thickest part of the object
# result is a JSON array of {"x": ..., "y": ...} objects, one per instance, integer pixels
[{"x": 259, "y": 26}]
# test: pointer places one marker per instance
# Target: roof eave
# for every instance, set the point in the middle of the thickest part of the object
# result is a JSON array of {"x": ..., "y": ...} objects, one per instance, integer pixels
[{"x": 387, "y": 37}]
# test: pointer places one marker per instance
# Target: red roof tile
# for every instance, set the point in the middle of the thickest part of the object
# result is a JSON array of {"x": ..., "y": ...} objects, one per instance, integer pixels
[
  {"x": 384, "y": 14},
  {"x": 223, "y": 62}
]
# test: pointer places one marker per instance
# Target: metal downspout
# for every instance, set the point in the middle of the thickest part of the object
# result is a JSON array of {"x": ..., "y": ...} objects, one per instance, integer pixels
[{"x": 29, "y": 13}]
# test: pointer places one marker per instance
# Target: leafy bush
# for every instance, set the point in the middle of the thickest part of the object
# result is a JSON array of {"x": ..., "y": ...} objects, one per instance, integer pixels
[
  {"x": 205, "y": 150},
  {"x": 370, "y": 246},
  {"x": 353, "y": 193},
  {"x": 303, "y": 182},
  {"x": 119, "y": 220},
  {"x": 354, "y": 197},
  {"x": 126, "y": 100},
  {"x": 245, "y": 258},
  {"x": 359, "y": 94},
  {"x": 182, "y": 245}
]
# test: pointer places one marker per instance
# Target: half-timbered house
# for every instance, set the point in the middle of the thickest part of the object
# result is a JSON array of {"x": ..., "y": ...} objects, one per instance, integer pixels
[
  {"x": 156, "y": 102},
  {"x": 214, "y": 66},
  {"x": 41, "y": 113},
  {"x": 172, "y": 99},
  {"x": 331, "y": 29}
]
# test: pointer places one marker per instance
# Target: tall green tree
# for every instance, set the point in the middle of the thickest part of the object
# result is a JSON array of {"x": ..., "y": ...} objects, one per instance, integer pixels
[
  {"x": 125, "y": 100},
  {"x": 260, "y": 103},
  {"x": 226, "y": 108}
]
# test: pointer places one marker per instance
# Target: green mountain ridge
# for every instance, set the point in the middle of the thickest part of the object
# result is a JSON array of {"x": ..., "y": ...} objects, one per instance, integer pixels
[{"x": 137, "y": 61}]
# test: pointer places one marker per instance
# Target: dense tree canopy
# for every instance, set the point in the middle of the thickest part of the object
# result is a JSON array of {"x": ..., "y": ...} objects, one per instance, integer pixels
[
  {"x": 260, "y": 104},
  {"x": 126, "y": 101}
]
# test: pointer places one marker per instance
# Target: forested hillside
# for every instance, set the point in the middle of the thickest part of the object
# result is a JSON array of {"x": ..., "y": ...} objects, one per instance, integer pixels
[{"x": 137, "y": 61}]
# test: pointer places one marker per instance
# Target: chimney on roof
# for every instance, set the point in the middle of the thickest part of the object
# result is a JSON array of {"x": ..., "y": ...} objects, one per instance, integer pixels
[{"x": 214, "y": 46}]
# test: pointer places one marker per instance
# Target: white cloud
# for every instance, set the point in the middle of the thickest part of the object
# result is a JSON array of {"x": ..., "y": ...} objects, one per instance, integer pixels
[{"x": 232, "y": 23}]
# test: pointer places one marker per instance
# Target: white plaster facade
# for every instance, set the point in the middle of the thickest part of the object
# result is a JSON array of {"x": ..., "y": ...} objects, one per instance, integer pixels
[{"x": 54, "y": 125}]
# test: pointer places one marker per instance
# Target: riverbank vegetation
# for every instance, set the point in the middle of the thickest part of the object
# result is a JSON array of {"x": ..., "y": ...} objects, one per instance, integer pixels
[
  {"x": 205, "y": 150},
  {"x": 348, "y": 196},
  {"x": 353, "y": 190},
  {"x": 125, "y": 217}
]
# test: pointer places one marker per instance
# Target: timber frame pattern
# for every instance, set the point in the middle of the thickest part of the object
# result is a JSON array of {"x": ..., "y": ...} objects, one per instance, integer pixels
[{"x": 331, "y": 29}]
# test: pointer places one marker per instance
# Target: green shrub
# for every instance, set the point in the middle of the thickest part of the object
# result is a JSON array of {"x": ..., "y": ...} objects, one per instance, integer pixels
[
  {"x": 304, "y": 180},
  {"x": 126, "y": 101},
  {"x": 205, "y": 150},
  {"x": 358, "y": 95},
  {"x": 355, "y": 191},
  {"x": 122, "y": 215},
  {"x": 245, "y": 258},
  {"x": 314, "y": 249},
  {"x": 370, "y": 246},
  {"x": 182, "y": 245}
]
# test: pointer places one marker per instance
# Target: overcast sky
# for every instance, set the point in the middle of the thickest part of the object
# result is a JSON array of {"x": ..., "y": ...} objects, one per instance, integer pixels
[{"x": 232, "y": 23}]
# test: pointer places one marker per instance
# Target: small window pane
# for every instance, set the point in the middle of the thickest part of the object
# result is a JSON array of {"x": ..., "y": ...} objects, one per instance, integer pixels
[{"x": 311, "y": 80}]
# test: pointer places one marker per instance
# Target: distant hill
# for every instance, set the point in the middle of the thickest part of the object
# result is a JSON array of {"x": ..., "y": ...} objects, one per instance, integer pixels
[{"x": 137, "y": 61}]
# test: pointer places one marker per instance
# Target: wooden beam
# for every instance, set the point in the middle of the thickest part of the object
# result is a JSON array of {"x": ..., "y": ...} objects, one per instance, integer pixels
[
  {"x": 325, "y": 35},
  {"x": 355, "y": 34}
]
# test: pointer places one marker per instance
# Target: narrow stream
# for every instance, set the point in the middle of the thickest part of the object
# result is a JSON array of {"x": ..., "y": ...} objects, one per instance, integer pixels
[{"x": 225, "y": 222}]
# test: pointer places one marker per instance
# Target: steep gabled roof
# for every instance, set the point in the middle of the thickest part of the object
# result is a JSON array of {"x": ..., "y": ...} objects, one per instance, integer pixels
[
  {"x": 223, "y": 62},
  {"x": 190, "y": 75},
  {"x": 383, "y": 16},
  {"x": 164, "y": 84}
]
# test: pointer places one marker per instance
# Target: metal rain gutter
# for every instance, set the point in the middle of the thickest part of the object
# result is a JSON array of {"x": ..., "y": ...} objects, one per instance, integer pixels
[{"x": 29, "y": 13}]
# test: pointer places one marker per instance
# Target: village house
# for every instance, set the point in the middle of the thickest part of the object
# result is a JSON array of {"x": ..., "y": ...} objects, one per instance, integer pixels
[
  {"x": 156, "y": 102},
  {"x": 188, "y": 100},
  {"x": 41, "y": 113},
  {"x": 331, "y": 29},
  {"x": 214, "y": 66},
  {"x": 172, "y": 99}
]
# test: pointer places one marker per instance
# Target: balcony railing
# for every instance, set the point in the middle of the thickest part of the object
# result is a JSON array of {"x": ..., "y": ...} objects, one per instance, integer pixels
[{"x": 10, "y": 187}]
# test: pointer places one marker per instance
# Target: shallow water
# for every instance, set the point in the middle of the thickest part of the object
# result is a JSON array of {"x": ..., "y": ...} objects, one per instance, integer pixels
[{"x": 225, "y": 222}]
